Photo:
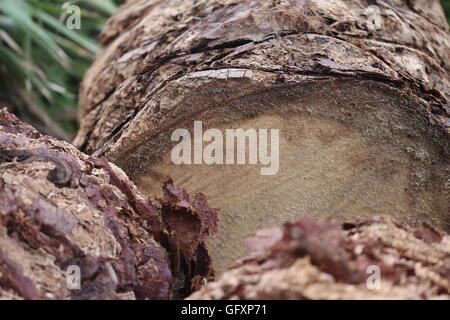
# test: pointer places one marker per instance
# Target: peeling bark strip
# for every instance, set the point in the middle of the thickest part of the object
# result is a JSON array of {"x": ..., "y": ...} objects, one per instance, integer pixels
[
  {"x": 66, "y": 171},
  {"x": 329, "y": 260},
  {"x": 359, "y": 89},
  {"x": 61, "y": 208}
]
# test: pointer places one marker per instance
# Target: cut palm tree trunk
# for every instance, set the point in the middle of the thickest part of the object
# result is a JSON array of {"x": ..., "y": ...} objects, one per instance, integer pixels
[
  {"x": 74, "y": 226},
  {"x": 358, "y": 90}
]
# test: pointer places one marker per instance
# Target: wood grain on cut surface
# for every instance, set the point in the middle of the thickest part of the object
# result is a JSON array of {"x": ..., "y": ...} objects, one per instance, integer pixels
[{"x": 326, "y": 169}]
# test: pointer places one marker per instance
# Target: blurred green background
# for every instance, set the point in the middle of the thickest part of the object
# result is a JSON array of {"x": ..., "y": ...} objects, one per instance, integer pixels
[
  {"x": 446, "y": 5},
  {"x": 42, "y": 61}
]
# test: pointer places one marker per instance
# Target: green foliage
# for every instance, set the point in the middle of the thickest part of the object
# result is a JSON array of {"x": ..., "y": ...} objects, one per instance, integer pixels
[
  {"x": 42, "y": 61},
  {"x": 446, "y": 5}
]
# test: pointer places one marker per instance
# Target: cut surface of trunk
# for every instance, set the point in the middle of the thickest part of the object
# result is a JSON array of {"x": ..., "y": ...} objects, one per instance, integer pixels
[
  {"x": 75, "y": 227},
  {"x": 358, "y": 90}
]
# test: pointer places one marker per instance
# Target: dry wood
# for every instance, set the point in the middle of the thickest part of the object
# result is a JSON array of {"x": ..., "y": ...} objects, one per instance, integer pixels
[{"x": 361, "y": 101}]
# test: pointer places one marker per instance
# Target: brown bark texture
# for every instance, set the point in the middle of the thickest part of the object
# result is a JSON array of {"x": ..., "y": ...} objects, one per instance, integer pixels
[
  {"x": 331, "y": 260},
  {"x": 359, "y": 89},
  {"x": 61, "y": 208},
  {"x": 148, "y": 46}
]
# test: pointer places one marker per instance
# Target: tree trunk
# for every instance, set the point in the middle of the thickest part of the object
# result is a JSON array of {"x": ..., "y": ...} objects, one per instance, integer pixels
[
  {"x": 359, "y": 93},
  {"x": 64, "y": 214}
]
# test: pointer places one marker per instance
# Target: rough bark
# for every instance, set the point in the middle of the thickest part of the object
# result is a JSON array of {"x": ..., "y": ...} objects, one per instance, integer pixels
[
  {"x": 61, "y": 208},
  {"x": 330, "y": 260},
  {"x": 363, "y": 105}
]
